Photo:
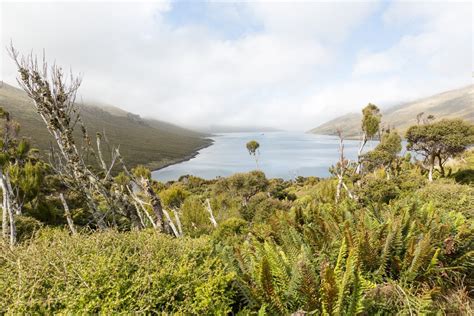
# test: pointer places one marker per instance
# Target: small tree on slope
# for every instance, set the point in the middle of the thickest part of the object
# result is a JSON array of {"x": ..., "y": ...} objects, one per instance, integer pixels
[
  {"x": 370, "y": 127},
  {"x": 439, "y": 141}
]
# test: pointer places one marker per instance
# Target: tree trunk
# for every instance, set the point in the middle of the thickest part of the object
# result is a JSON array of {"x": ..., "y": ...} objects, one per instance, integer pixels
[
  {"x": 155, "y": 202},
  {"x": 12, "y": 226},
  {"x": 441, "y": 167},
  {"x": 431, "y": 167},
  {"x": 359, "y": 154},
  {"x": 338, "y": 188},
  {"x": 211, "y": 215},
  {"x": 4, "y": 209},
  {"x": 342, "y": 167},
  {"x": 68, "y": 215},
  {"x": 173, "y": 228},
  {"x": 178, "y": 222},
  {"x": 8, "y": 216}
]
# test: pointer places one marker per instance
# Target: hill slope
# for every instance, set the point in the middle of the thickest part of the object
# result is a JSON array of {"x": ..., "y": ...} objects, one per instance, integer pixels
[
  {"x": 142, "y": 141},
  {"x": 457, "y": 103}
]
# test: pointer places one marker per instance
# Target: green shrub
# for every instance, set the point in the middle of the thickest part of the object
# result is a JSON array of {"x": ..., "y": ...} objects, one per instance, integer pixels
[
  {"x": 194, "y": 217},
  {"x": 231, "y": 230},
  {"x": 375, "y": 189},
  {"x": 260, "y": 207},
  {"x": 448, "y": 196},
  {"x": 111, "y": 273},
  {"x": 173, "y": 196},
  {"x": 244, "y": 185}
]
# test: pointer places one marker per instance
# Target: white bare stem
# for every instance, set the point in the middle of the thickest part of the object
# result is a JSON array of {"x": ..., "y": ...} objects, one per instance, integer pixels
[
  {"x": 171, "y": 224},
  {"x": 5, "y": 210},
  {"x": 67, "y": 213},
  {"x": 211, "y": 215},
  {"x": 178, "y": 222}
]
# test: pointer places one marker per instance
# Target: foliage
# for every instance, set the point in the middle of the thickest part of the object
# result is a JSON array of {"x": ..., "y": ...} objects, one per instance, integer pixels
[
  {"x": 252, "y": 147},
  {"x": 113, "y": 272},
  {"x": 173, "y": 196},
  {"x": 440, "y": 140},
  {"x": 385, "y": 153},
  {"x": 370, "y": 120}
]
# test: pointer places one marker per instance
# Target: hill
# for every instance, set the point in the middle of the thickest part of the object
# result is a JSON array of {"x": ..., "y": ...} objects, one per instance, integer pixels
[
  {"x": 457, "y": 103},
  {"x": 149, "y": 142}
]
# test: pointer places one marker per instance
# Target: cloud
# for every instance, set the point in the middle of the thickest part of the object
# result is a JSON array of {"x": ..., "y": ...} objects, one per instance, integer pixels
[
  {"x": 438, "y": 45},
  {"x": 275, "y": 64}
]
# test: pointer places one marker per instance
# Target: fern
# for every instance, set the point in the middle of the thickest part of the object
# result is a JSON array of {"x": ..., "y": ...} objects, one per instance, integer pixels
[
  {"x": 419, "y": 259},
  {"x": 329, "y": 290}
]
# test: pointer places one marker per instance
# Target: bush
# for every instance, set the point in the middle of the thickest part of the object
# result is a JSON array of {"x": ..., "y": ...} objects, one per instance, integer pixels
[
  {"x": 26, "y": 226},
  {"x": 448, "y": 196},
  {"x": 231, "y": 230},
  {"x": 260, "y": 207},
  {"x": 194, "y": 217},
  {"x": 174, "y": 196},
  {"x": 113, "y": 272},
  {"x": 244, "y": 185},
  {"x": 378, "y": 190}
]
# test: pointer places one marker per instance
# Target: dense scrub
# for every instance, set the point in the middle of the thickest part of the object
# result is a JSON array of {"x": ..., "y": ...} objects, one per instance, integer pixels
[
  {"x": 113, "y": 272},
  {"x": 279, "y": 247}
]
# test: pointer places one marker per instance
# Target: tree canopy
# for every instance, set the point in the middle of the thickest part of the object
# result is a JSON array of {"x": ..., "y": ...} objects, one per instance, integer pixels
[
  {"x": 440, "y": 140},
  {"x": 252, "y": 147},
  {"x": 370, "y": 120}
]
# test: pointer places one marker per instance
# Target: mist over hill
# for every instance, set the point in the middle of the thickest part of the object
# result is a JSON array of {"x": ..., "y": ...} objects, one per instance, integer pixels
[
  {"x": 457, "y": 103},
  {"x": 149, "y": 142}
]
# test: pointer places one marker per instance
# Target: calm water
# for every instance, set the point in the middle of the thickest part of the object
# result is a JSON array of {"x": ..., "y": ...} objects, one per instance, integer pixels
[{"x": 282, "y": 155}]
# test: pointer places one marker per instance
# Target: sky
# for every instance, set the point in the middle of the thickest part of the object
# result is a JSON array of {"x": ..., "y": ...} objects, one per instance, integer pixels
[{"x": 287, "y": 65}]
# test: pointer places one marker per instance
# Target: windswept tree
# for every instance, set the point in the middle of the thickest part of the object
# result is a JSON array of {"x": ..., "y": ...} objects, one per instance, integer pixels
[
  {"x": 252, "y": 147},
  {"x": 370, "y": 127},
  {"x": 439, "y": 141},
  {"x": 385, "y": 153},
  {"x": 54, "y": 97}
]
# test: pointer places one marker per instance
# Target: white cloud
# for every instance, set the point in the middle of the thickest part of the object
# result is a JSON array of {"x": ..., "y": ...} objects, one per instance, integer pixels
[
  {"x": 438, "y": 46},
  {"x": 280, "y": 75}
]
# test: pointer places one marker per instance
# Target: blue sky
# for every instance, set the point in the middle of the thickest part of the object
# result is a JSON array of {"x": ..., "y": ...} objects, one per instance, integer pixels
[{"x": 291, "y": 65}]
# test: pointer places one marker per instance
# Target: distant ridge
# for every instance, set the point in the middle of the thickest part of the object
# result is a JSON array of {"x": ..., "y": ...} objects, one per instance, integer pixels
[
  {"x": 238, "y": 129},
  {"x": 149, "y": 142},
  {"x": 457, "y": 103}
]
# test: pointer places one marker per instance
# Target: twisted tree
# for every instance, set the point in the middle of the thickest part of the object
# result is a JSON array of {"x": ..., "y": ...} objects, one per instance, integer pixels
[
  {"x": 54, "y": 95},
  {"x": 439, "y": 141}
]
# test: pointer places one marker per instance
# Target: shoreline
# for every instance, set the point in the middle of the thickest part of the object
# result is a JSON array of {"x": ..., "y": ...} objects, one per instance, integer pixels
[{"x": 184, "y": 158}]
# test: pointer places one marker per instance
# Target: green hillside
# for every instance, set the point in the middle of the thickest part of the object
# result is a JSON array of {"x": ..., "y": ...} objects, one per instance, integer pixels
[
  {"x": 142, "y": 141},
  {"x": 457, "y": 103}
]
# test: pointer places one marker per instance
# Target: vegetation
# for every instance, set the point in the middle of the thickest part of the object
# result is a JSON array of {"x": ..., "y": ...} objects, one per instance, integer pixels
[
  {"x": 142, "y": 141},
  {"x": 252, "y": 147},
  {"x": 375, "y": 238},
  {"x": 439, "y": 141},
  {"x": 370, "y": 127}
]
